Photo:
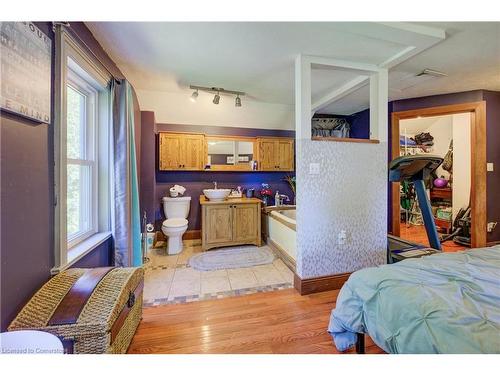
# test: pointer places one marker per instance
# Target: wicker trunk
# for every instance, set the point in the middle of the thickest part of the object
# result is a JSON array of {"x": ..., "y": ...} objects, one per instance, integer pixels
[{"x": 91, "y": 310}]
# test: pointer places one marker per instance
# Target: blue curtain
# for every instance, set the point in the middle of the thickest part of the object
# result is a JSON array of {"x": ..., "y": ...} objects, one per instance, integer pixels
[{"x": 125, "y": 205}]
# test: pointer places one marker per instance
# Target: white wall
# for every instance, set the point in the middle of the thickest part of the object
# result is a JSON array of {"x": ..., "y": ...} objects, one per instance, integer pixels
[
  {"x": 461, "y": 161},
  {"x": 175, "y": 108}
]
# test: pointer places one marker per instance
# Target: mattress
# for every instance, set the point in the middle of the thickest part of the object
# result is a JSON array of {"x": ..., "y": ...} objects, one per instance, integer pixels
[{"x": 443, "y": 303}]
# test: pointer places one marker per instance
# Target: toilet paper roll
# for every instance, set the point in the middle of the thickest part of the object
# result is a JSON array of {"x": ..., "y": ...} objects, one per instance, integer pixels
[{"x": 150, "y": 227}]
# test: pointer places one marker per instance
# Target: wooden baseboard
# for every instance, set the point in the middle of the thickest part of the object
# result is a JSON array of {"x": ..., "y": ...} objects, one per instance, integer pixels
[
  {"x": 189, "y": 235},
  {"x": 192, "y": 235},
  {"x": 320, "y": 284}
]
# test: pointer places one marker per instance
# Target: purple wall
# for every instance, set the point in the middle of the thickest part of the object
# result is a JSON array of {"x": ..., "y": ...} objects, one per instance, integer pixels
[
  {"x": 102, "y": 255},
  {"x": 153, "y": 189},
  {"x": 360, "y": 124},
  {"x": 27, "y": 204},
  {"x": 493, "y": 156}
]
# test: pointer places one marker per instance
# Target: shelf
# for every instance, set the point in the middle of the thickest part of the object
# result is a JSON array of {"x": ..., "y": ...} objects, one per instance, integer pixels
[
  {"x": 443, "y": 193},
  {"x": 349, "y": 140}
]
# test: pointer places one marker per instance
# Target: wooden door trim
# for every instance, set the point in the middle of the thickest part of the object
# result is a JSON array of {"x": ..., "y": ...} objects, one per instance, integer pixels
[{"x": 478, "y": 162}]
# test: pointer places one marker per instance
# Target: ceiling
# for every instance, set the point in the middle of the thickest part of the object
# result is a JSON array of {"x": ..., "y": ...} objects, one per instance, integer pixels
[
  {"x": 420, "y": 124},
  {"x": 258, "y": 58}
]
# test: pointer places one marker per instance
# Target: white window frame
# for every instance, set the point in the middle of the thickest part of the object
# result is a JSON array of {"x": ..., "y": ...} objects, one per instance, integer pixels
[
  {"x": 90, "y": 158},
  {"x": 75, "y": 64}
]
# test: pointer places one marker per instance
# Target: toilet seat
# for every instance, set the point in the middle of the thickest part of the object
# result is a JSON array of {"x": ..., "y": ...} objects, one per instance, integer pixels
[{"x": 174, "y": 223}]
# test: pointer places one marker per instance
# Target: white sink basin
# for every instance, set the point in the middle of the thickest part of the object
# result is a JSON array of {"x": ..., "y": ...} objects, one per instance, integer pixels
[{"x": 216, "y": 195}]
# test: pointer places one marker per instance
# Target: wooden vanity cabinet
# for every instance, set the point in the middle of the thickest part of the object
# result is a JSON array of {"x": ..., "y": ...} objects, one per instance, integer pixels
[
  {"x": 230, "y": 222},
  {"x": 276, "y": 154},
  {"x": 178, "y": 151}
]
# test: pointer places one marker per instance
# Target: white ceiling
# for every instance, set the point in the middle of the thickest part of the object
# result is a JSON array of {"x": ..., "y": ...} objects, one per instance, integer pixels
[
  {"x": 258, "y": 58},
  {"x": 421, "y": 124}
]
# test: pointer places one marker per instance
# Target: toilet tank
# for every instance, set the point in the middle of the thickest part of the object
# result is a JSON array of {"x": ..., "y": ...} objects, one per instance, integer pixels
[{"x": 176, "y": 208}]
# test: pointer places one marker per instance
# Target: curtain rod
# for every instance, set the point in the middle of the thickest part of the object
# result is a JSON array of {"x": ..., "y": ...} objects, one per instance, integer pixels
[{"x": 75, "y": 34}]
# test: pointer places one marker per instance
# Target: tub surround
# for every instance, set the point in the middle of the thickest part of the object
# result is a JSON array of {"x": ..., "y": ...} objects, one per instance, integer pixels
[{"x": 279, "y": 226}]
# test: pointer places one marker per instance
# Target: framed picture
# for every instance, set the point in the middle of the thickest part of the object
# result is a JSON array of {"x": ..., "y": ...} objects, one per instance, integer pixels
[{"x": 25, "y": 70}]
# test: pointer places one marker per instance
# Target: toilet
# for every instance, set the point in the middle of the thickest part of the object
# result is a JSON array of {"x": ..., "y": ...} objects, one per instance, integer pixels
[{"x": 176, "y": 211}]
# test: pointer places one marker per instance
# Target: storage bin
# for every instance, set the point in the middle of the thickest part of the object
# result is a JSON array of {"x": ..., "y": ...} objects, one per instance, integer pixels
[{"x": 92, "y": 311}]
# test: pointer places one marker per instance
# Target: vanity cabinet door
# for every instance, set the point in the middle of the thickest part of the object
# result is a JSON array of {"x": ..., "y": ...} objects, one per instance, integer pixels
[
  {"x": 217, "y": 224},
  {"x": 246, "y": 222},
  {"x": 285, "y": 154},
  {"x": 192, "y": 152},
  {"x": 169, "y": 151}
]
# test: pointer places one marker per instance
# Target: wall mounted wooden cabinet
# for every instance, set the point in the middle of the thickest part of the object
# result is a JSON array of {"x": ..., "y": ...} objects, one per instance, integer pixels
[
  {"x": 197, "y": 152},
  {"x": 178, "y": 151},
  {"x": 230, "y": 222},
  {"x": 276, "y": 154}
]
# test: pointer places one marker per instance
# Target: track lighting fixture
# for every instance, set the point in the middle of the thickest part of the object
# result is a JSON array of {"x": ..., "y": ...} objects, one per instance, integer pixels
[
  {"x": 216, "y": 98},
  {"x": 194, "y": 96},
  {"x": 217, "y": 91}
]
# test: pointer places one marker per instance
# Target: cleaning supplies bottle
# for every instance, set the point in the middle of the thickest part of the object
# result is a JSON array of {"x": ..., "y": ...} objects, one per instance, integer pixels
[{"x": 277, "y": 198}]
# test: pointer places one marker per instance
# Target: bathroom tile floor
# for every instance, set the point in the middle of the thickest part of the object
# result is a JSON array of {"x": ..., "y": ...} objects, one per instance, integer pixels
[{"x": 169, "y": 279}]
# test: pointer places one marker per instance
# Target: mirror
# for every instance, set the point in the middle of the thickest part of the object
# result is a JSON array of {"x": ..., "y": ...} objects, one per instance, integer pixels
[{"x": 230, "y": 153}]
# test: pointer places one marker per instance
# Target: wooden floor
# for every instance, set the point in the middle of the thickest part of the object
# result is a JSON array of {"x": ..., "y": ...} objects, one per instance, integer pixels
[
  {"x": 416, "y": 233},
  {"x": 272, "y": 322}
]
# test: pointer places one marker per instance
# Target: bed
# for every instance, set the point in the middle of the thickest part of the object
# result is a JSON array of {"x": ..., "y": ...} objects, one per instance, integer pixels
[{"x": 443, "y": 303}]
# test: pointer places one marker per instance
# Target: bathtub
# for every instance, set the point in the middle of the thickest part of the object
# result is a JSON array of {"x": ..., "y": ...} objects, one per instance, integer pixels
[{"x": 280, "y": 230}]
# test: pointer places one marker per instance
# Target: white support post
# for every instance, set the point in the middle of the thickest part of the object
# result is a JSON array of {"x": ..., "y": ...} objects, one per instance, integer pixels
[
  {"x": 379, "y": 98},
  {"x": 302, "y": 98}
]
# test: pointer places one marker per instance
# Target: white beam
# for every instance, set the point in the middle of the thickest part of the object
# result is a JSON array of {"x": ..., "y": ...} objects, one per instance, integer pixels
[
  {"x": 302, "y": 98},
  {"x": 340, "y": 92},
  {"x": 379, "y": 99},
  {"x": 343, "y": 64}
]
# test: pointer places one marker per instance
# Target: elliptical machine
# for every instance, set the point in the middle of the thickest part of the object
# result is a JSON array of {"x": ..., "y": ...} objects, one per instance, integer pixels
[{"x": 416, "y": 169}]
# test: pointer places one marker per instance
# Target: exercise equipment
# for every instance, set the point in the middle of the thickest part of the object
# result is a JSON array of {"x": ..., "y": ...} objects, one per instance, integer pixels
[
  {"x": 461, "y": 228},
  {"x": 415, "y": 169}
]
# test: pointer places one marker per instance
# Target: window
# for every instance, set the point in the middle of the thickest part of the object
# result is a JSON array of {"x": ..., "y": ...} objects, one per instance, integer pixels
[
  {"x": 82, "y": 153},
  {"x": 81, "y": 160}
]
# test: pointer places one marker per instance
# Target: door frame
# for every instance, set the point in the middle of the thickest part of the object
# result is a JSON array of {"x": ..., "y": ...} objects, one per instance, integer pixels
[{"x": 477, "y": 111}]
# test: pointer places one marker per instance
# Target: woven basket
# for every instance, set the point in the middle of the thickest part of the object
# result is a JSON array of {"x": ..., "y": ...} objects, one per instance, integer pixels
[{"x": 108, "y": 318}]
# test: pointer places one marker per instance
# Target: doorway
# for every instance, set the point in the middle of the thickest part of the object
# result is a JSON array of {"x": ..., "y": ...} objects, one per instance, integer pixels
[{"x": 465, "y": 124}]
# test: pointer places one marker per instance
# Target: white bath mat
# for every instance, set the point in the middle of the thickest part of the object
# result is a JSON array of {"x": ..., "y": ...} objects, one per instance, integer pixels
[{"x": 239, "y": 257}]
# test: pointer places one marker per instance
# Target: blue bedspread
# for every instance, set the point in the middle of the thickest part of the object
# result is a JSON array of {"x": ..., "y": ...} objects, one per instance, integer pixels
[{"x": 443, "y": 303}]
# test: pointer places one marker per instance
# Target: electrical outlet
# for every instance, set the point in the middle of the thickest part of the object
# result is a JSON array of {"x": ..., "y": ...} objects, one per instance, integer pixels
[
  {"x": 314, "y": 168},
  {"x": 489, "y": 167},
  {"x": 342, "y": 237},
  {"x": 491, "y": 226}
]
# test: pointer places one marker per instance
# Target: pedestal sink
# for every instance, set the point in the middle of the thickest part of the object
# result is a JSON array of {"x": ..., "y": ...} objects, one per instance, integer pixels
[{"x": 216, "y": 195}]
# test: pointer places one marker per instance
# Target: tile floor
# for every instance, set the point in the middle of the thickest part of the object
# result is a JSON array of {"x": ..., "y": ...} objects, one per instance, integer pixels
[{"x": 169, "y": 279}]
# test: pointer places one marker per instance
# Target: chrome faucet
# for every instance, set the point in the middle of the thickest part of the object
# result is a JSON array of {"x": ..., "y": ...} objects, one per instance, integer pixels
[
  {"x": 279, "y": 198},
  {"x": 215, "y": 185}
]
